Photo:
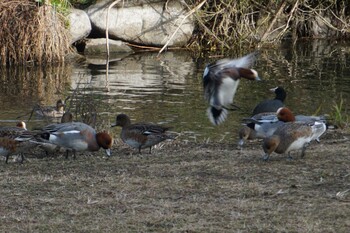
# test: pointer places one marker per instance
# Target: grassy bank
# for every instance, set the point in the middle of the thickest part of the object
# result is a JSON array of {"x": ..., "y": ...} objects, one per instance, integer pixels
[{"x": 181, "y": 187}]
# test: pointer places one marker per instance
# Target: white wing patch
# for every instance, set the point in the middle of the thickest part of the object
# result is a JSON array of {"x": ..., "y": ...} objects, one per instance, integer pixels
[
  {"x": 227, "y": 91},
  {"x": 71, "y": 132}
]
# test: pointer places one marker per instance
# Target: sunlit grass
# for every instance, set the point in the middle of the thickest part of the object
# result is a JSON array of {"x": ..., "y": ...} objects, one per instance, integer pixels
[
  {"x": 180, "y": 187},
  {"x": 340, "y": 115}
]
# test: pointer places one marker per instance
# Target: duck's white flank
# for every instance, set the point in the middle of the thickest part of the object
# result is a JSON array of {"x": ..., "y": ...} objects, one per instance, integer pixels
[{"x": 227, "y": 91}]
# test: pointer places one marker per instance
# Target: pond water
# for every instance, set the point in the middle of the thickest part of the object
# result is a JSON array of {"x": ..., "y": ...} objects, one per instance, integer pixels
[{"x": 168, "y": 90}]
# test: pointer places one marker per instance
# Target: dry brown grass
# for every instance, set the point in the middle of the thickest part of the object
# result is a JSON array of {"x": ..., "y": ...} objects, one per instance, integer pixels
[
  {"x": 31, "y": 34},
  {"x": 224, "y": 25},
  {"x": 181, "y": 187}
]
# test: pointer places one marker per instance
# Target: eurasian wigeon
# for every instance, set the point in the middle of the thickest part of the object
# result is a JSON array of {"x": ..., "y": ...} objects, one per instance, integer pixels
[
  {"x": 77, "y": 136},
  {"x": 53, "y": 148},
  {"x": 49, "y": 111},
  {"x": 246, "y": 133},
  {"x": 220, "y": 82},
  {"x": 265, "y": 124},
  {"x": 141, "y": 135},
  {"x": 271, "y": 105},
  {"x": 15, "y": 140},
  {"x": 292, "y": 136},
  {"x": 259, "y": 126}
]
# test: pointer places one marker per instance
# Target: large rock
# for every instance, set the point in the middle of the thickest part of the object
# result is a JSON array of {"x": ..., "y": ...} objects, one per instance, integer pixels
[
  {"x": 80, "y": 26},
  {"x": 97, "y": 46},
  {"x": 143, "y": 22}
]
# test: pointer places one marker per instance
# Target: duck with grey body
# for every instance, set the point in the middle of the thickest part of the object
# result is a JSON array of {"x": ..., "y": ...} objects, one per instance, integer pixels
[{"x": 77, "y": 136}]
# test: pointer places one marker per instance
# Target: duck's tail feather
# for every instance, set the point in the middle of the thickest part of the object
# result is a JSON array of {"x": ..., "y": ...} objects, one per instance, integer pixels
[{"x": 216, "y": 116}]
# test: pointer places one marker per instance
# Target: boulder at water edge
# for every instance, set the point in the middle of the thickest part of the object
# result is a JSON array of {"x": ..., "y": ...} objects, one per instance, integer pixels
[
  {"x": 79, "y": 25},
  {"x": 98, "y": 46},
  {"x": 147, "y": 22}
]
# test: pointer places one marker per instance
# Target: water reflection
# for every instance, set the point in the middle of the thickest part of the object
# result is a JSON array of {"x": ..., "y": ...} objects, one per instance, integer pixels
[
  {"x": 22, "y": 87},
  {"x": 168, "y": 90}
]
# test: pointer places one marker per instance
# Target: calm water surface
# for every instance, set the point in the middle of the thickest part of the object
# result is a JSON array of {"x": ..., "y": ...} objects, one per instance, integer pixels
[{"x": 168, "y": 90}]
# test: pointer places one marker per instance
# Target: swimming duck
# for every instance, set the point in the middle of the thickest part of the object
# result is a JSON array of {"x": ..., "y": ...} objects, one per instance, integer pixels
[
  {"x": 141, "y": 135},
  {"x": 271, "y": 105},
  {"x": 77, "y": 136},
  {"x": 220, "y": 82},
  {"x": 49, "y": 111},
  {"x": 15, "y": 140},
  {"x": 292, "y": 136}
]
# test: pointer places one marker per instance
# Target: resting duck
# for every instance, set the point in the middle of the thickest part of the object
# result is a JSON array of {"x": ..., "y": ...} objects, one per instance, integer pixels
[
  {"x": 271, "y": 105},
  {"x": 220, "y": 82},
  {"x": 141, "y": 135}
]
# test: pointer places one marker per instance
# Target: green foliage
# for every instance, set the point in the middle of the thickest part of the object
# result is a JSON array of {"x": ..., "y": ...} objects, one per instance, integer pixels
[
  {"x": 61, "y": 6},
  {"x": 340, "y": 116}
]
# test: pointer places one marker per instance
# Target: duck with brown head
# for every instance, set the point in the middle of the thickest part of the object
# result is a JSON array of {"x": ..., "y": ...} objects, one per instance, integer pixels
[
  {"x": 220, "y": 82},
  {"x": 77, "y": 136},
  {"x": 265, "y": 124}
]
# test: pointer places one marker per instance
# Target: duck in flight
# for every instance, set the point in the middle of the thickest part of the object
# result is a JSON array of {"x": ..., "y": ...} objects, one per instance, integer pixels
[{"x": 220, "y": 82}]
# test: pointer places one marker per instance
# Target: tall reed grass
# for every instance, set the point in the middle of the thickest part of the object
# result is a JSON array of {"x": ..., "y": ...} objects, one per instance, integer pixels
[
  {"x": 32, "y": 33},
  {"x": 227, "y": 24}
]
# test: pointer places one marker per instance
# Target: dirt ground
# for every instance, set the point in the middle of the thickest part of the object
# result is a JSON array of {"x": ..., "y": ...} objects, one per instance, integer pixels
[{"x": 181, "y": 187}]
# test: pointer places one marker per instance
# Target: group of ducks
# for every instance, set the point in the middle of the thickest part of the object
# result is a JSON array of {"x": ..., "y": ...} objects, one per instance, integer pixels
[
  {"x": 281, "y": 131},
  {"x": 72, "y": 136}
]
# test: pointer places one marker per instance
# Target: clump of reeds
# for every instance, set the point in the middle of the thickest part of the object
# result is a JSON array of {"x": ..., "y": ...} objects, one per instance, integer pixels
[
  {"x": 225, "y": 25},
  {"x": 86, "y": 106},
  {"x": 31, "y": 33}
]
